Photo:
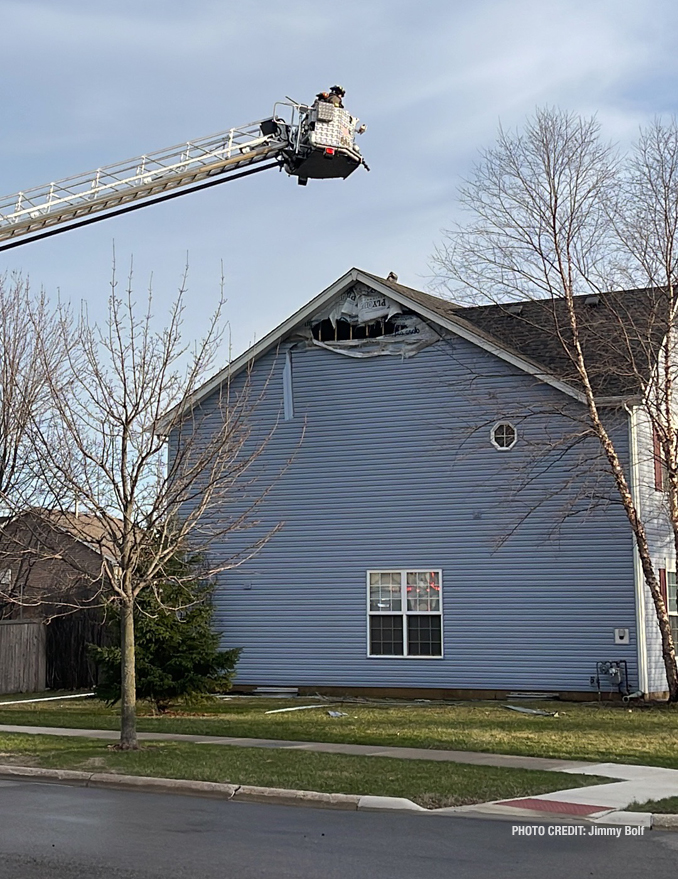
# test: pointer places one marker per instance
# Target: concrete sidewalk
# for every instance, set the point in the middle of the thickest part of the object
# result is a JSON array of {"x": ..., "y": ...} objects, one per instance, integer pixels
[
  {"x": 603, "y": 803},
  {"x": 632, "y": 783},
  {"x": 471, "y": 757}
]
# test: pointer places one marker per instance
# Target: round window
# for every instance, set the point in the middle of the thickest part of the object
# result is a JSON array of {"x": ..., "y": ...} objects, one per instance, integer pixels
[{"x": 504, "y": 435}]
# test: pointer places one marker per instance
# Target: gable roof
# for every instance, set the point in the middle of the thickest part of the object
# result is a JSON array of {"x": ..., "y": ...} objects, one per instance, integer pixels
[
  {"x": 85, "y": 528},
  {"x": 622, "y": 328}
]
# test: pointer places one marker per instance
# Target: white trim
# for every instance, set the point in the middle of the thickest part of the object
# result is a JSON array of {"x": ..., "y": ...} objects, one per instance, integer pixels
[
  {"x": 638, "y": 578},
  {"x": 404, "y": 613},
  {"x": 456, "y": 325},
  {"x": 496, "y": 444},
  {"x": 670, "y": 569},
  {"x": 261, "y": 347},
  {"x": 467, "y": 331}
]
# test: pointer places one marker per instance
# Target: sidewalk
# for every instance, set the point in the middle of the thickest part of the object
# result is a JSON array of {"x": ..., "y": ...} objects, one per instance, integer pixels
[
  {"x": 601, "y": 802},
  {"x": 476, "y": 758}
]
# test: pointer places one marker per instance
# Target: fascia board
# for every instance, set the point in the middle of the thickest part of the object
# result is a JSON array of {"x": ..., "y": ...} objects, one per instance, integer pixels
[
  {"x": 261, "y": 347},
  {"x": 466, "y": 331},
  {"x": 457, "y": 326}
]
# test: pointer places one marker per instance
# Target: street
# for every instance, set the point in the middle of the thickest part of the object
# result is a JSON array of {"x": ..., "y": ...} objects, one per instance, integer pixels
[{"x": 59, "y": 832}]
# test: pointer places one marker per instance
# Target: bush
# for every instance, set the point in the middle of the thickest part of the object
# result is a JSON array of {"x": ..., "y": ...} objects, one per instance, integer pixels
[{"x": 177, "y": 652}]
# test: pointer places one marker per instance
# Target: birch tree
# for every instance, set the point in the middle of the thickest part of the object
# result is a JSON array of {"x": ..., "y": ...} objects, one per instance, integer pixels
[{"x": 555, "y": 213}]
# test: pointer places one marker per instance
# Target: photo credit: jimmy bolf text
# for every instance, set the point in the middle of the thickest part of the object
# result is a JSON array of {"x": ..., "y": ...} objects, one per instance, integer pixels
[{"x": 576, "y": 830}]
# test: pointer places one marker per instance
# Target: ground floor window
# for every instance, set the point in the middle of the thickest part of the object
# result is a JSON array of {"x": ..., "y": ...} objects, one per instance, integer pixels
[
  {"x": 404, "y": 613},
  {"x": 672, "y": 603}
]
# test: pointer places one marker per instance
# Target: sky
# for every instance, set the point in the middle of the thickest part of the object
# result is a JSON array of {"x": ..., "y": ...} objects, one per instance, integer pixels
[{"x": 89, "y": 83}]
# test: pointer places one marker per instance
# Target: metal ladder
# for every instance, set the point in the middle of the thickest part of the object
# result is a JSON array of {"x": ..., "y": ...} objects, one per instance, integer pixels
[{"x": 67, "y": 203}]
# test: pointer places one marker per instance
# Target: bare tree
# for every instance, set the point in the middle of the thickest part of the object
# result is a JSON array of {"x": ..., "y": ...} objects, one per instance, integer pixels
[
  {"x": 25, "y": 379},
  {"x": 554, "y": 214},
  {"x": 104, "y": 450}
]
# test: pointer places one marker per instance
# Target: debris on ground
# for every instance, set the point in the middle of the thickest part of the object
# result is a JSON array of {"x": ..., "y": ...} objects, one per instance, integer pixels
[
  {"x": 337, "y": 714},
  {"x": 294, "y": 708},
  {"x": 539, "y": 711}
]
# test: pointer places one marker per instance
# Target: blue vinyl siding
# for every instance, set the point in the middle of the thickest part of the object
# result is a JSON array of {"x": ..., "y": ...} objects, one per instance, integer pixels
[{"x": 393, "y": 468}]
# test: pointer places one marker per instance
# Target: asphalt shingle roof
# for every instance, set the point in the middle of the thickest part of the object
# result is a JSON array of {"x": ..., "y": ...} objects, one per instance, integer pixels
[{"x": 620, "y": 332}]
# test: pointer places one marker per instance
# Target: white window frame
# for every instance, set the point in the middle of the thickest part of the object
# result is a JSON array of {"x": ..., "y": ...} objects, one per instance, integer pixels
[
  {"x": 501, "y": 423},
  {"x": 404, "y": 612},
  {"x": 670, "y": 568}
]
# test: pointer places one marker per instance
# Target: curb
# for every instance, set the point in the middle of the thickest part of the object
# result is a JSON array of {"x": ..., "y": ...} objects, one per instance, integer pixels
[
  {"x": 243, "y": 793},
  {"x": 665, "y": 822},
  {"x": 313, "y": 799}
]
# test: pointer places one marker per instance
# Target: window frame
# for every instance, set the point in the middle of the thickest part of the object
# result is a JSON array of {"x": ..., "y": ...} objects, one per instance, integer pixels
[
  {"x": 404, "y": 613},
  {"x": 660, "y": 471},
  {"x": 504, "y": 422},
  {"x": 672, "y": 615}
]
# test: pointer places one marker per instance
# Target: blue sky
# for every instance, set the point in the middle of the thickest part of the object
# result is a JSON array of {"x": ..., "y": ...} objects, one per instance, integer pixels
[{"x": 88, "y": 83}]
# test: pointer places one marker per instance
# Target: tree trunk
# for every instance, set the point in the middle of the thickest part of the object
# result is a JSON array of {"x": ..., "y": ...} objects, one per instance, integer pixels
[
  {"x": 668, "y": 647},
  {"x": 128, "y": 715}
]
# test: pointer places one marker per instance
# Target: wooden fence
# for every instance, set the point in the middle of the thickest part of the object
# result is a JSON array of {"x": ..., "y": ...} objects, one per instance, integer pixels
[{"x": 23, "y": 665}]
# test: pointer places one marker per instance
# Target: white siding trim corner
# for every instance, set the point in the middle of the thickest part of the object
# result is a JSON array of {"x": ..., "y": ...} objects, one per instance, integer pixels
[{"x": 639, "y": 580}]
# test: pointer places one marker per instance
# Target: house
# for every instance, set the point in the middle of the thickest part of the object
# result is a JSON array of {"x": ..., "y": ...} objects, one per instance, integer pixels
[
  {"x": 448, "y": 524},
  {"x": 51, "y": 572}
]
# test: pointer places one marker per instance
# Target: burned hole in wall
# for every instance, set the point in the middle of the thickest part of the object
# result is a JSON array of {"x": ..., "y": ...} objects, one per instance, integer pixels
[{"x": 343, "y": 330}]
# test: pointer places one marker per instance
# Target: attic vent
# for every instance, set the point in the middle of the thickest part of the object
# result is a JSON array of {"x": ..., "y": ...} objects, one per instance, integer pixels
[
  {"x": 516, "y": 308},
  {"x": 592, "y": 300}
]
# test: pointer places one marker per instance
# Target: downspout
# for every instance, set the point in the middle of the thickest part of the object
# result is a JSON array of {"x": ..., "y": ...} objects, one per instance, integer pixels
[{"x": 639, "y": 580}]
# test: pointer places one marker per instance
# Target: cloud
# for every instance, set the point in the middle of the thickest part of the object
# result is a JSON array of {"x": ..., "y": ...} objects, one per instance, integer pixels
[{"x": 86, "y": 84}]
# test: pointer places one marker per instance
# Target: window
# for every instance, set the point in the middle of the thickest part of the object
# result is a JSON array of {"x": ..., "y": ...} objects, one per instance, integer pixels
[
  {"x": 404, "y": 613},
  {"x": 660, "y": 474},
  {"x": 503, "y": 436},
  {"x": 672, "y": 603}
]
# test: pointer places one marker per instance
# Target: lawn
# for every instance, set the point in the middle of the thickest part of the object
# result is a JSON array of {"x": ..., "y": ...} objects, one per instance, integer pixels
[
  {"x": 582, "y": 731},
  {"x": 430, "y": 784},
  {"x": 667, "y": 806}
]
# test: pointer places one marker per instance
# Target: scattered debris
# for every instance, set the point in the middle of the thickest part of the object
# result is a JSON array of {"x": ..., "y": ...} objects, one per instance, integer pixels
[
  {"x": 295, "y": 708},
  {"x": 337, "y": 714},
  {"x": 47, "y": 699},
  {"x": 537, "y": 711},
  {"x": 276, "y": 692}
]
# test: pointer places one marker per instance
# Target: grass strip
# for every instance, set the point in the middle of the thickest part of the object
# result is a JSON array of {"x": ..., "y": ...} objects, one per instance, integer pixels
[
  {"x": 589, "y": 731},
  {"x": 667, "y": 806},
  {"x": 430, "y": 784}
]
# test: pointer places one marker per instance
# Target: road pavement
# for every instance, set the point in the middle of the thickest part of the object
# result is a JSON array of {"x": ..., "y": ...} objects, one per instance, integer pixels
[{"x": 60, "y": 832}]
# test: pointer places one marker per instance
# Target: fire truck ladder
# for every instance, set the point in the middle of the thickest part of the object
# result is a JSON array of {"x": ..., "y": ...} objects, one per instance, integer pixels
[
  {"x": 115, "y": 189},
  {"x": 276, "y": 142}
]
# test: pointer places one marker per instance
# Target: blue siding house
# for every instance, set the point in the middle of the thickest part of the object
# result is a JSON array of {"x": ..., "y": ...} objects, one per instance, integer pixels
[{"x": 445, "y": 524}]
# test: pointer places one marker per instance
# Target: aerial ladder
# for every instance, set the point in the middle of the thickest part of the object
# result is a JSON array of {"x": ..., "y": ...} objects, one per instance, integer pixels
[{"x": 314, "y": 141}]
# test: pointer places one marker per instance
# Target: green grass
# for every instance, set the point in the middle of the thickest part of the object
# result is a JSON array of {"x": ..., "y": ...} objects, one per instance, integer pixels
[
  {"x": 431, "y": 784},
  {"x": 582, "y": 731},
  {"x": 667, "y": 806}
]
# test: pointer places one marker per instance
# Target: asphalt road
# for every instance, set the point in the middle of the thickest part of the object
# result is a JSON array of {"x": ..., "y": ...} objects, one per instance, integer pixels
[{"x": 58, "y": 832}]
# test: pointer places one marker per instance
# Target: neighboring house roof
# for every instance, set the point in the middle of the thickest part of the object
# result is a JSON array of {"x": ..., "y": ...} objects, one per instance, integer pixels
[
  {"x": 620, "y": 331},
  {"x": 86, "y": 528}
]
